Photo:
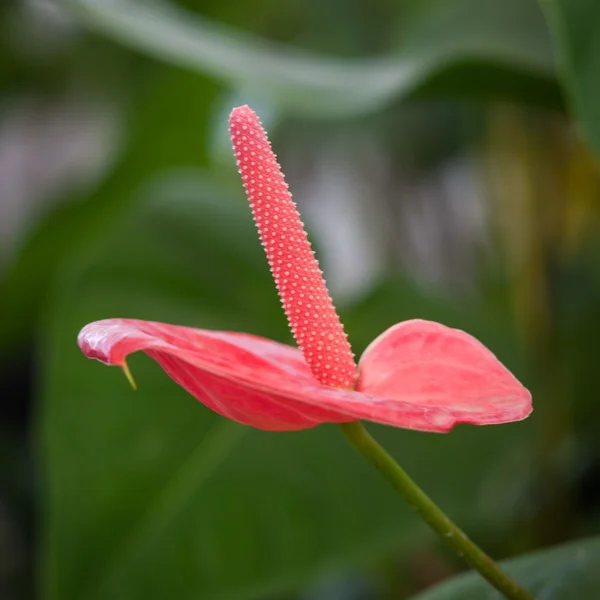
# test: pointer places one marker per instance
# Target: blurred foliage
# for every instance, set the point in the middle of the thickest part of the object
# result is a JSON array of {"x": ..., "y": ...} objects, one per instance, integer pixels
[
  {"x": 570, "y": 571},
  {"x": 577, "y": 31},
  {"x": 509, "y": 40},
  {"x": 163, "y": 131},
  {"x": 149, "y": 494}
]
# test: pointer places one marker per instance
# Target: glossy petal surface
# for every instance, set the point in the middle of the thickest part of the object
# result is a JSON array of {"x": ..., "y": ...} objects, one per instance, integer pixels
[
  {"x": 268, "y": 385},
  {"x": 437, "y": 367}
]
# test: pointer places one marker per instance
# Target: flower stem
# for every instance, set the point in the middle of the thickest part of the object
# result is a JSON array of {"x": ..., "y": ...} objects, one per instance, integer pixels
[{"x": 362, "y": 441}]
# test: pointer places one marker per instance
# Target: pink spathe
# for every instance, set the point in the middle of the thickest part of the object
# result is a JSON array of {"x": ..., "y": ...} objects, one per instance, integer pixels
[{"x": 416, "y": 375}]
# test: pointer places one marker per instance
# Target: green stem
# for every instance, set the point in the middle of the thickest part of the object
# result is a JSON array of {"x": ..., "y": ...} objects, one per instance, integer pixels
[{"x": 362, "y": 441}]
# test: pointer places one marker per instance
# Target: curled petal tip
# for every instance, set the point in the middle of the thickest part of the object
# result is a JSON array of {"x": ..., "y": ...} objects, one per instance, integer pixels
[{"x": 128, "y": 374}]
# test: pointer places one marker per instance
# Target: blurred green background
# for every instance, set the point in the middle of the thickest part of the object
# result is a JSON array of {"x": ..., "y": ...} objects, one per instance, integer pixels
[{"x": 444, "y": 156}]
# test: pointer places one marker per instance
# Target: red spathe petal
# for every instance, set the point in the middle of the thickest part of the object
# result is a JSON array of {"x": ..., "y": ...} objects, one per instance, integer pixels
[
  {"x": 268, "y": 385},
  {"x": 431, "y": 365},
  {"x": 239, "y": 376}
]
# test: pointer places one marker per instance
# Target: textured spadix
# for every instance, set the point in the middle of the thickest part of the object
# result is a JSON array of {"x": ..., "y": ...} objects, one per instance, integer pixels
[
  {"x": 306, "y": 301},
  {"x": 417, "y": 375}
]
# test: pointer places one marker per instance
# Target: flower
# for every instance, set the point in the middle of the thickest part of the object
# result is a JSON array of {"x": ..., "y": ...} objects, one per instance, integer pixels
[{"x": 416, "y": 375}]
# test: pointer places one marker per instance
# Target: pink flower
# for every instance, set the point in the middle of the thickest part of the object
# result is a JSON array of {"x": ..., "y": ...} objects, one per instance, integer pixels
[{"x": 417, "y": 375}]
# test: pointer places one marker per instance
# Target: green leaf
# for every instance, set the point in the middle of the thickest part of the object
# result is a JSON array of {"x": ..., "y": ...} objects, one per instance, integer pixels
[
  {"x": 509, "y": 35},
  {"x": 563, "y": 573},
  {"x": 151, "y": 495},
  {"x": 575, "y": 25},
  {"x": 167, "y": 128}
]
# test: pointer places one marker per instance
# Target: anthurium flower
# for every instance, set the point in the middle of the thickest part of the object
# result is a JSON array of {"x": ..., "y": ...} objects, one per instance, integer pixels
[{"x": 416, "y": 375}]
